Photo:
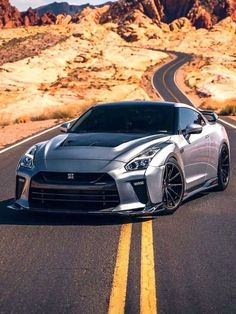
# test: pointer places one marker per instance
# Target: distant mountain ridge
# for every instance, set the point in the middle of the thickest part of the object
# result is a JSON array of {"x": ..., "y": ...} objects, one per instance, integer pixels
[
  {"x": 51, "y": 13},
  {"x": 64, "y": 8},
  {"x": 60, "y": 8}
]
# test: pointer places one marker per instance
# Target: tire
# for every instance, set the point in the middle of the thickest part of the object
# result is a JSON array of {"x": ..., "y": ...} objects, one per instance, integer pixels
[
  {"x": 173, "y": 186},
  {"x": 223, "y": 174}
]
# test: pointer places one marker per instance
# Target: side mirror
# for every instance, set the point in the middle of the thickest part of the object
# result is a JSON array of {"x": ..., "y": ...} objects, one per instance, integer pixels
[
  {"x": 211, "y": 116},
  {"x": 193, "y": 129},
  {"x": 65, "y": 127}
]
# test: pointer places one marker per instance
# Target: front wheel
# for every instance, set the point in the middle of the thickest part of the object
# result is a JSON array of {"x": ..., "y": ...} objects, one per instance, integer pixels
[
  {"x": 223, "y": 168},
  {"x": 173, "y": 186}
]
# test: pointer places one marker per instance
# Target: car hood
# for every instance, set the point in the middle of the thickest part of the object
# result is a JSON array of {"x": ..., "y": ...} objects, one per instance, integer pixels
[{"x": 97, "y": 146}]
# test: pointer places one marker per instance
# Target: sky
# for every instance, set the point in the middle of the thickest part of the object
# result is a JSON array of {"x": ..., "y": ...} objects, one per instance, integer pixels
[{"x": 23, "y": 5}]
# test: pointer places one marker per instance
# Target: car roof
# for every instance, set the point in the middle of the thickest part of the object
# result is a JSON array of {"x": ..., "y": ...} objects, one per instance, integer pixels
[{"x": 141, "y": 103}]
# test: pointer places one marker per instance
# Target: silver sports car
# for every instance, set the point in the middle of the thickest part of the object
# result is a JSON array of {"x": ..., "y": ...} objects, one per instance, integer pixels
[{"x": 130, "y": 158}]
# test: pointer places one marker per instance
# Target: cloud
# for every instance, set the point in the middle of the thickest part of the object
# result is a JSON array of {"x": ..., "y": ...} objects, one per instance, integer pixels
[{"x": 23, "y": 5}]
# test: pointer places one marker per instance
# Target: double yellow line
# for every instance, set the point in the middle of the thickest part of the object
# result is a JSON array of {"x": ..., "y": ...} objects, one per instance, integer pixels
[
  {"x": 148, "y": 299},
  {"x": 165, "y": 74}
]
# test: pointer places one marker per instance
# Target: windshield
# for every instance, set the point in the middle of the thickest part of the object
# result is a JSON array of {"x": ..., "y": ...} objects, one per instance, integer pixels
[{"x": 126, "y": 119}]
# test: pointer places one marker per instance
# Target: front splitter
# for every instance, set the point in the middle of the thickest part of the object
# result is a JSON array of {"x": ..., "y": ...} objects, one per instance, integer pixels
[{"x": 148, "y": 211}]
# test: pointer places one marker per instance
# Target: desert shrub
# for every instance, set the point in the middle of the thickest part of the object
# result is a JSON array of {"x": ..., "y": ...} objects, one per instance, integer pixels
[
  {"x": 22, "y": 119},
  {"x": 5, "y": 119},
  {"x": 62, "y": 112},
  {"x": 224, "y": 107},
  {"x": 228, "y": 110}
]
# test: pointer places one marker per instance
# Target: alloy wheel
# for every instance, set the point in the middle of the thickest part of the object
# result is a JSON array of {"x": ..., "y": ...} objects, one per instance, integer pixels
[
  {"x": 224, "y": 166},
  {"x": 173, "y": 186}
]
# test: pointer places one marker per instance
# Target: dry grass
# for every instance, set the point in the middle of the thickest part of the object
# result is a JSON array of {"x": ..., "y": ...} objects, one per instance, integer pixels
[
  {"x": 229, "y": 110},
  {"x": 63, "y": 112},
  {"x": 58, "y": 112},
  {"x": 226, "y": 107},
  {"x": 5, "y": 120}
]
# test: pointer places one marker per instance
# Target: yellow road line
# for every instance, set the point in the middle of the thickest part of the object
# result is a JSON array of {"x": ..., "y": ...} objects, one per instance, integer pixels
[
  {"x": 164, "y": 77},
  {"x": 119, "y": 285},
  {"x": 148, "y": 299}
]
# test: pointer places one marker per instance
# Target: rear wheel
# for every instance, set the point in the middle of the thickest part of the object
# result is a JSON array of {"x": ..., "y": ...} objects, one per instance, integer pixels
[
  {"x": 223, "y": 168},
  {"x": 173, "y": 186}
]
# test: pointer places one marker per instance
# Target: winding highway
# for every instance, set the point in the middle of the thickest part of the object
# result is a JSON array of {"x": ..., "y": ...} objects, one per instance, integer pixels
[{"x": 180, "y": 263}]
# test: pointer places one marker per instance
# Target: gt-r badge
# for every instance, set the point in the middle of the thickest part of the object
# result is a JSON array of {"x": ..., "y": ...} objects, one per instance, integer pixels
[{"x": 70, "y": 176}]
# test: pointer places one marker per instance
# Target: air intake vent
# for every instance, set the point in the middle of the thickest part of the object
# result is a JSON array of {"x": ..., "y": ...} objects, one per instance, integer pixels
[{"x": 20, "y": 183}]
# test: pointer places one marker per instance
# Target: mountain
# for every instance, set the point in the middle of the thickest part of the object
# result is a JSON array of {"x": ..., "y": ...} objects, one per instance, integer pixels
[
  {"x": 60, "y": 8},
  {"x": 64, "y": 8}
]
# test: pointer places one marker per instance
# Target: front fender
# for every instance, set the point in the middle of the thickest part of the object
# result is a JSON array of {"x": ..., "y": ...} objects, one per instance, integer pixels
[{"x": 169, "y": 151}]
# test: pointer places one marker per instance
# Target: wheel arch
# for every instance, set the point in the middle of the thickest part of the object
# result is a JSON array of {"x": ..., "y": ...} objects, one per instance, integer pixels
[
  {"x": 169, "y": 151},
  {"x": 166, "y": 153}
]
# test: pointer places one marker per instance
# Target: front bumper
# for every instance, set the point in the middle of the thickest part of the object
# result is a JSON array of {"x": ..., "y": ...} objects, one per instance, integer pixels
[
  {"x": 131, "y": 201},
  {"x": 146, "y": 211}
]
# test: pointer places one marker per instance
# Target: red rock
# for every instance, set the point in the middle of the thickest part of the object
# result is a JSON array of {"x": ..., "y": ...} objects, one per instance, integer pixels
[
  {"x": 48, "y": 19},
  {"x": 30, "y": 17},
  {"x": 63, "y": 19},
  {"x": 181, "y": 23},
  {"x": 231, "y": 9},
  {"x": 26, "y": 21},
  {"x": 201, "y": 13},
  {"x": 9, "y": 15},
  {"x": 90, "y": 14}
]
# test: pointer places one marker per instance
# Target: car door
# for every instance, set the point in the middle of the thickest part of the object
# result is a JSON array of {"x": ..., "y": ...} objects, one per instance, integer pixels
[{"x": 194, "y": 148}]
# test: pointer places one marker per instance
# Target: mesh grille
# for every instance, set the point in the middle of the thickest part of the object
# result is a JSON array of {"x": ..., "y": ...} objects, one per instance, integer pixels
[{"x": 86, "y": 192}]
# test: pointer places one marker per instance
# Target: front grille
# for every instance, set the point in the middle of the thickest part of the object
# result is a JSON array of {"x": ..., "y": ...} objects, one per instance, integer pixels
[
  {"x": 86, "y": 192},
  {"x": 78, "y": 178}
]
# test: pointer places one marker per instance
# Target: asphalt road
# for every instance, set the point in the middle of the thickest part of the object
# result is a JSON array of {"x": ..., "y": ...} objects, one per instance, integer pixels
[{"x": 181, "y": 263}]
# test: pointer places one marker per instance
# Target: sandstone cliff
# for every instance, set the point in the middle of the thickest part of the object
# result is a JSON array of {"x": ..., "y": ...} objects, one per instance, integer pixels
[{"x": 201, "y": 13}]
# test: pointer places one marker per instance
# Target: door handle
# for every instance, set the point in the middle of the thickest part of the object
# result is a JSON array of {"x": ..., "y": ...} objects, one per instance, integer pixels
[{"x": 207, "y": 136}]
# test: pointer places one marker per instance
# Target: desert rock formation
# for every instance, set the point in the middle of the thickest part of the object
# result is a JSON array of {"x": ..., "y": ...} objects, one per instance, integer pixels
[
  {"x": 201, "y": 13},
  {"x": 63, "y": 19},
  {"x": 11, "y": 17}
]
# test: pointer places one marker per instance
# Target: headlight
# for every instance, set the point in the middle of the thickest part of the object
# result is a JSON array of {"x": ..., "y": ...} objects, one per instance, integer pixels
[
  {"x": 143, "y": 160},
  {"x": 27, "y": 160}
]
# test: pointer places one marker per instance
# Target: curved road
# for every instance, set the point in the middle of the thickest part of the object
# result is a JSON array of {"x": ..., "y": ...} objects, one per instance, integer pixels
[
  {"x": 183, "y": 263},
  {"x": 164, "y": 79}
]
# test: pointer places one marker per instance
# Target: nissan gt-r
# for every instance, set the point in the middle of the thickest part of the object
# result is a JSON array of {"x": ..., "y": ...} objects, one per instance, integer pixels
[{"x": 131, "y": 158}]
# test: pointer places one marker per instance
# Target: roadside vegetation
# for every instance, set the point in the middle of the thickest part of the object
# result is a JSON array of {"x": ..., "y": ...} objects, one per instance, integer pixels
[
  {"x": 59, "y": 113},
  {"x": 224, "y": 107}
]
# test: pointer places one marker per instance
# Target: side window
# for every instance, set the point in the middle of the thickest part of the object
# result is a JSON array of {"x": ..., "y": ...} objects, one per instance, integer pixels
[
  {"x": 188, "y": 116},
  {"x": 200, "y": 119}
]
